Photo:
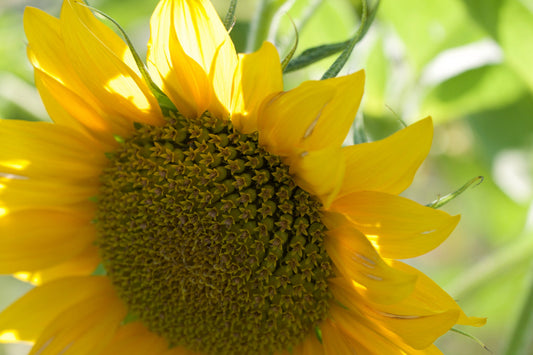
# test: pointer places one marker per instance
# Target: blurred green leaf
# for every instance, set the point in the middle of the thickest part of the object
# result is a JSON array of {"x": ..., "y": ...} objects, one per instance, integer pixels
[
  {"x": 479, "y": 89},
  {"x": 285, "y": 62},
  {"x": 230, "y": 19},
  {"x": 332, "y": 22},
  {"x": 376, "y": 75},
  {"x": 486, "y": 209},
  {"x": 261, "y": 22},
  {"x": 520, "y": 342},
  {"x": 428, "y": 27},
  {"x": 507, "y": 127},
  {"x": 368, "y": 13},
  {"x": 441, "y": 201},
  {"x": 312, "y": 55},
  {"x": 510, "y": 23},
  {"x": 358, "y": 127}
]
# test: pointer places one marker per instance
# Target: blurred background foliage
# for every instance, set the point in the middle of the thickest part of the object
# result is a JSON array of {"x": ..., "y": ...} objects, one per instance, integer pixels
[{"x": 467, "y": 63}]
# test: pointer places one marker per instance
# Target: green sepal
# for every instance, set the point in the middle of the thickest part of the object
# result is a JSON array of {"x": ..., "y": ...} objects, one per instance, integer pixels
[
  {"x": 164, "y": 102},
  {"x": 230, "y": 18},
  {"x": 367, "y": 17},
  {"x": 318, "y": 334},
  {"x": 287, "y": 59},
  {"x": 313, "y": 55},
  {"x": 261, "y": 23},
  {"x": 99, "y": 271},
  {"x": 130, "y": 318},
  {"x": 441, "y": 201},
  {"x": 359, "y": 133},
  {"x": 118, "y": 138},
  {"x": 470, "y": 336}
]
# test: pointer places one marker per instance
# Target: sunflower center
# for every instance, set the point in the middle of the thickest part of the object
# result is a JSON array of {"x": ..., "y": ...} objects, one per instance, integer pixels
[{"x": 210, "y": 242}]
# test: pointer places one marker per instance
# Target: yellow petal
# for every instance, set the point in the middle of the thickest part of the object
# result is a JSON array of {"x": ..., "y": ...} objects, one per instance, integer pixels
[
  {"x": 357, "y": 260},
  {"x": 258, "y": 76},
  {"x": 184, "y": 81},
  {"x": 83, "y": 329},
  {"x": 309, "y": 346},
  {"x": 223, "y": 68},
  {"x": 337, "y": 116},
  {"x": 313, "y": 116},
  {"x": 31, "y": 239},
  {"x": 427, "y": 295},
  {"x": 416, "y": 329},
  {"x": 46, "y": 49},
  {"x": 198, "y": 29},
  {"x": 48, "y": 151},
  {"x": 370, "y": 337},
  {"x": 51, "y": 59},
  {"x": 80, "y": 265},
  {"x": 178, "y": 351},
  {"x": 20, "y": 192},
  {"x": 336, "y": 342},
  {"x": 29, "y": 315},
  {"x": 105, "y": 66},
  {"x": 432, "y": 350},
  {"x": 398, "y": 227},
  {"x": 194, "y": 56},
  {"x": 135, "y": 339},
  {"x": 69, "y": 108},
  {"x": 388, "y": 165},
  {"x": 319, "y": 173}
]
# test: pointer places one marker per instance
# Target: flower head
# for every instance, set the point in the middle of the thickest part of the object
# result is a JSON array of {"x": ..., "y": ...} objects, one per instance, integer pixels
[{"x": 233, "y": 222}]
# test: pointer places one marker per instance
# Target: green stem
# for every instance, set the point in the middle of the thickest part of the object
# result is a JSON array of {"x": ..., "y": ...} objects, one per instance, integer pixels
[
  {"x": 229, "y": 20},
  {"x": 260, "y": 24},
  {"x": 441, "y": 201},
  {"x": 367, "y": 17},
  {"x": 519, "y": 342},
  {"x": 497, "y": 263}
]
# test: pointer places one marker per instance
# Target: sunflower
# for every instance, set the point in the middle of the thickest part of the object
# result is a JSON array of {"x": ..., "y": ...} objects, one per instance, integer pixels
[{"x": 229, "y": 221}]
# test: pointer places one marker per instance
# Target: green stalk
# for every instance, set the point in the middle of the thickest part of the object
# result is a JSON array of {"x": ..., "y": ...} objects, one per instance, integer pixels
[
  {"x": 229, "y": 20},
  {"x": 260, "y": 24},
  {"x": 500, "y": 262},
  {"x": 367, "y": 17},
  {"x": 519, "y": 342}
]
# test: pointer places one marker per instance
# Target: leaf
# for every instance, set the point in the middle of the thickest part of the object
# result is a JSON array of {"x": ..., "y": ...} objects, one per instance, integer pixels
[
  {"x": 510, "y": 23},
  {"x": 163, "y": 100},
  {"x": 377, "y": 72},
  {"x": 229, "y": 20},
  {"x": 427, "y": 27},
  {"x": 441, "y": 201},
  {"x": 313, "y": 55},
  {"x": 261, "y": 23},
  {"x": 480, "y": 89},
  {"x": 367, "y": 17}
]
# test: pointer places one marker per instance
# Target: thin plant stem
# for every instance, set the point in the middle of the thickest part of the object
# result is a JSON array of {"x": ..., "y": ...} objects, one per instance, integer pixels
[{"x": 519, "y": 342}]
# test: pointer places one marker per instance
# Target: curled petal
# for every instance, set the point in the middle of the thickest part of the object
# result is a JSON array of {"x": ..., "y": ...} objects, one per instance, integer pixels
[
  {"x": 29, "y": 315},
  {"x": 31, "y": 240},
  {"x": 135, "y": 338},
  {"x": 388, "y": 165},
  {"x": 81, "y": 264},
  {"x": 83, "y": 329},
  {"x": 399, "y": 227},
  {"x": 357, "y": 260},
  {"x": 319, "y": 172},
  {"x": 258, "y": 76},
  {"x": 105, "y": 65},
  {"x": 313, "y": 116},
  {"x": 417, "y": 329}
]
